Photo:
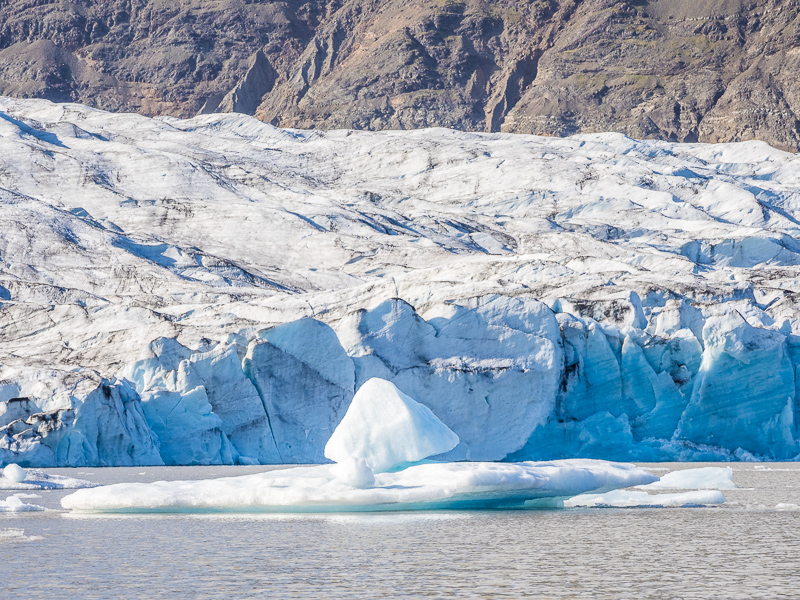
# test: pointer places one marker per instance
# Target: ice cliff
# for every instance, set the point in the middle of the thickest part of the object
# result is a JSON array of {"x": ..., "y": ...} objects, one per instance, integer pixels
[{"x": 216, "y": 290}]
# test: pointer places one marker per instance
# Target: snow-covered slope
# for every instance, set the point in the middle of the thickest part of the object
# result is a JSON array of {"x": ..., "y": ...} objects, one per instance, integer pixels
[{"x": 216, "y": 290}]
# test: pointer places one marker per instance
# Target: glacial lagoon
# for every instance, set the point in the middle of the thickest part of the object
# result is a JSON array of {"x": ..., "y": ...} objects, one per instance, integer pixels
[{"x": 746, "y": 548}]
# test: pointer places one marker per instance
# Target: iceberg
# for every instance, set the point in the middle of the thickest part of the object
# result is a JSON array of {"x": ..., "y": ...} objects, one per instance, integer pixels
[
  {"x": 386, "y": 429},
  {"x": 706, "y": 478},
  {"x": 632, "y": 499},
  {"x": 383, "y": 429},
  {"x": 14, "y": 473},
  {"x": 318, "y": 489}
]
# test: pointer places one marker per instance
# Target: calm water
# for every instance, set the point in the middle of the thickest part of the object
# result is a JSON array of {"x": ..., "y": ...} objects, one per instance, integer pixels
[{"x": 744, "y": 549}]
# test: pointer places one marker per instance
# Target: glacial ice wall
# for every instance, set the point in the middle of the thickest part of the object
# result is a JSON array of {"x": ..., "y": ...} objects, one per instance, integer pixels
[
  {"x": 216, "y": 290},
  {"x": 512, "y": 378}
]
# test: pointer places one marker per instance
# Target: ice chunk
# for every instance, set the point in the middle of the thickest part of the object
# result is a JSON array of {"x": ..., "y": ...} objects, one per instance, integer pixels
[
  {"x": 14, "y": 473},
  {"x": 17, "y": 535},
  {"x": 14, "y": 504},
  {"x": 235, "y": 400},
  {"x": 39, "y": 480},
  {"x": 386, "y": 429},
  {"x": 315, "y": 344},
  {"x": 631, "y": 499},
  {"x": 319, "y": 489},
  {"x": 72, "y": 418},
  {"x": 706, "y": 478},
  {"x": 489, "y": 367}
]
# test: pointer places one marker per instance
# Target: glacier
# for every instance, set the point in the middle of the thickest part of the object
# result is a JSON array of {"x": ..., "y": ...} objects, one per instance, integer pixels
[{"x": 217, "y": 290}]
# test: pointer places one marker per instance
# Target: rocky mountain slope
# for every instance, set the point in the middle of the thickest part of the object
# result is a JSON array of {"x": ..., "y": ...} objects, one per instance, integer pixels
[
  {"x": 216, "y": 289},
  {"x": 720, "y": 70}
]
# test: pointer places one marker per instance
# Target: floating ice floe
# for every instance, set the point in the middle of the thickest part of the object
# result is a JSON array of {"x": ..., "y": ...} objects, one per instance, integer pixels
[
  {"x": 463, "y": 485},
  {"x": 17, "y": 535},
  {"x": 386, "y": 429},
  {"x": 705, "y": 478},
  {"x": 632, "y": 499},
  {"x": 16, "y": 478},
  {"x": 14, "y": 504}
]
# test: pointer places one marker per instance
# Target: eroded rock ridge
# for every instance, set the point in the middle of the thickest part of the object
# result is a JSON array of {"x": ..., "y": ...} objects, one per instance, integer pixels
[{"x": 722, "y": 70}]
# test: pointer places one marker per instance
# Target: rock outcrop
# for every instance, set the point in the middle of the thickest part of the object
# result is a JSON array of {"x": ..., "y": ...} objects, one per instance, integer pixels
[{"x": 675, "y": 70}]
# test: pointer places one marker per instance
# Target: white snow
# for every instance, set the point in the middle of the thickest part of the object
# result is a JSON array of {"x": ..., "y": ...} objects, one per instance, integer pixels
[
  {"x": 386, "y": 428},
  {"x": 632, "y": 499},
  {"x": 705, "y": 478}
]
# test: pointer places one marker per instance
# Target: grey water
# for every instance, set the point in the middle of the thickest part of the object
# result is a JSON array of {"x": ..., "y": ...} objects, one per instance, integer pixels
[{"x": 746, "y": 548}]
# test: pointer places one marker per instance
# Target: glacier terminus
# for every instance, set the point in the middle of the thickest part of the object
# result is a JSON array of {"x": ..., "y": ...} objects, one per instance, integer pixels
[{"x": 217, "y": 290}]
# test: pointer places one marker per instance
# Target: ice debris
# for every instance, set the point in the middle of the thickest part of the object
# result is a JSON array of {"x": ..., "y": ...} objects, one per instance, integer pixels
[
  {"x": 386, "y": 429},
  {"x": 705, "y": 478},
  {"x": 17, "y": 535},
  {"x": 14, "y": 473},
  {"x": 14, "y": 504},
  {"x": 467, "y": 485},
  {"x": 633, "y": 499},
  {"x": 39, "y": 480}
]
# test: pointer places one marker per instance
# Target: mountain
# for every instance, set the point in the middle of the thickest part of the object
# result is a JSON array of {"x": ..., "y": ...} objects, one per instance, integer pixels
[
  {"x": 714, "y": 71},
  {"x": 215, "y": 290}
]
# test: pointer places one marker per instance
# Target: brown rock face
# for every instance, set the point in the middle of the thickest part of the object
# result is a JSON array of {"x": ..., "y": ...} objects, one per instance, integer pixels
[{"x": 716, "y": 70}]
